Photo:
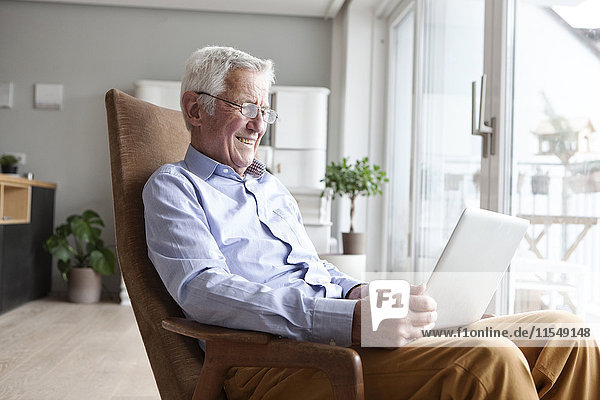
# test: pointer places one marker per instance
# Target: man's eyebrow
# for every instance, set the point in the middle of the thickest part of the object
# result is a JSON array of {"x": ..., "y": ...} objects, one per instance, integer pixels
[{"x": 258, "y": 103}]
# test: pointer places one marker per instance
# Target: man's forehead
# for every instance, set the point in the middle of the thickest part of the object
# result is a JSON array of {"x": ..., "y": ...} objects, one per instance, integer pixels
[{"x": 245, "y": 80}]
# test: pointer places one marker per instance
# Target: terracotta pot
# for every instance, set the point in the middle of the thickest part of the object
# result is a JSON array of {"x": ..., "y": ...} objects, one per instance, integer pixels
[
  {"x": 85, "y": 285},
  {"x": 353, "y": 243}
]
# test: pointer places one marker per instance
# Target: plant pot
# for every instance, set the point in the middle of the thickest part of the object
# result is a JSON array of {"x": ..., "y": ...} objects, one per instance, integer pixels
[
  {"x": 579, "y": 183},
  {"x": 540, "y": 184},
  {"x": 85, "y": 285},
  {"x": 10, "y": 169},
  {"x": 353, "y": 243},
  {"x": 594, "y": 181}
]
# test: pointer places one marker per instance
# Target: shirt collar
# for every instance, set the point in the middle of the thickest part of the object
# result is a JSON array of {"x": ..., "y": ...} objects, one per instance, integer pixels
[{"x": 204, "y": 166}]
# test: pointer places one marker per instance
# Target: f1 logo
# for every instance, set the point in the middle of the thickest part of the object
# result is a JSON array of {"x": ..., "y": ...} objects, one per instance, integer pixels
[{"x": 388, "y": 300}]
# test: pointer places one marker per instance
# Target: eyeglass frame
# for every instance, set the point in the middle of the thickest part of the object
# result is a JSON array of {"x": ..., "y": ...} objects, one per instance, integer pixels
[{"x": 241, "y": 106}]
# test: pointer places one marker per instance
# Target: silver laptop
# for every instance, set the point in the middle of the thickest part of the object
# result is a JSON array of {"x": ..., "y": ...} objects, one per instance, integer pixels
[{"x": 472, "y": 265}]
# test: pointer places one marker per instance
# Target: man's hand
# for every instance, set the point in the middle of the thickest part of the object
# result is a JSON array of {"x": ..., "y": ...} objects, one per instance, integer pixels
[
  {"x": 400, "y": 331},
  {"x": 356, "y": 292}
]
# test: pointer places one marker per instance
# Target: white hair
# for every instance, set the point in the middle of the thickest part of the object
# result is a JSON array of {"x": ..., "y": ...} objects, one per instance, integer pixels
[{"x": 207, "y": 68}]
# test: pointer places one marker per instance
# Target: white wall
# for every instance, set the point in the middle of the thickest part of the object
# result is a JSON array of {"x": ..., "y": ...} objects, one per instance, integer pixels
[
  {"x": 357, "y": 126},
  {"x": 91, "y": 49}
]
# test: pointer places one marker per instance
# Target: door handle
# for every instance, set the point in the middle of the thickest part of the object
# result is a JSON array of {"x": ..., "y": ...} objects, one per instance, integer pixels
[{"x": 483, "y": 128}]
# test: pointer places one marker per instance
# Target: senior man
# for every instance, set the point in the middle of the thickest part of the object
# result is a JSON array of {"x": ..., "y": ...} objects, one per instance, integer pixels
[{"x": 227, "y": 239}]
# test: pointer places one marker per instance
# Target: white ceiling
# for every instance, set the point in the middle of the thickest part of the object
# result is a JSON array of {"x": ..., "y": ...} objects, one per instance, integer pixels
[{"x": 305, "y": 8}]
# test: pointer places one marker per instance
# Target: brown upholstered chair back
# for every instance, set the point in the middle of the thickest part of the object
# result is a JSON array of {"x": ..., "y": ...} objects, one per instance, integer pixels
[{"x": 142, "y": 137}]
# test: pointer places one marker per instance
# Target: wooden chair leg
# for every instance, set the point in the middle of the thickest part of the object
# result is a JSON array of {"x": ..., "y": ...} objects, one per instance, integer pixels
[
  {"x": 345, "y": 393},
  {"x": 210, "y": 382},
  {"x": 341, "y": 377}
]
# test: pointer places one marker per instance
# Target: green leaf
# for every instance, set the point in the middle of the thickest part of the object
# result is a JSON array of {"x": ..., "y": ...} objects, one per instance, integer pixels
[
  {"x": 92, "y": 218},
  {"x": 103, "y": 261},
  {"x": 90, "y": 214},
  {"x": 59, "y": 248},
  {"x": 63, "y": 230},
  {"x": 64, "y": 267},
  {"x": 62, "y": 252},
  {"x": 82, "y": 230}
]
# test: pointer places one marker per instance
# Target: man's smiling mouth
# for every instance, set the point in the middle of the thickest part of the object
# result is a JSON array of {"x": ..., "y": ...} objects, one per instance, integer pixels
[{"x": 246, "y": 141}]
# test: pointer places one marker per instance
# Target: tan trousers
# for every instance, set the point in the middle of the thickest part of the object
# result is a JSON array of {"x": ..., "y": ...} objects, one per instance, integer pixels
[{"x": 497, "y": 369}]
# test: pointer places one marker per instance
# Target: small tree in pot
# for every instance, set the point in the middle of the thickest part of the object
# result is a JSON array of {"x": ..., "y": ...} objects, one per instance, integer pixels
[
  {"x": 82, "y": 255},
  {"x": 360, "y": 179}
]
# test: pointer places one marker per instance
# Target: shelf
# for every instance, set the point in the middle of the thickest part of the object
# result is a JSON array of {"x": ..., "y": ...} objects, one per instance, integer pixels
[
  {"x": 15, "y": 203},
  {"x": 15, "y": 198}
]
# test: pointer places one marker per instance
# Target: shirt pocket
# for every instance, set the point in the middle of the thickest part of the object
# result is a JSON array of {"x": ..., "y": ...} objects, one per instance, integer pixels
[{"x": 292, "y": 228}]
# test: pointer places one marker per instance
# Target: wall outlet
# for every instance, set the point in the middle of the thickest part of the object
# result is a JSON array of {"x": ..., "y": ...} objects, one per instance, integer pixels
[{"x": 6, "y": 94}]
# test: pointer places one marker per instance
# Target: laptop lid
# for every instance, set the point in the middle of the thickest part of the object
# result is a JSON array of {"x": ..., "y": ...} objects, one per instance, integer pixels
[{"x": 472, "y": 265}]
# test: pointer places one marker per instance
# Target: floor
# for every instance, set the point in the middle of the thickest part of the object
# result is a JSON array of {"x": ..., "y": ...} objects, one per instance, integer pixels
[{"x": 53, "y": 349}]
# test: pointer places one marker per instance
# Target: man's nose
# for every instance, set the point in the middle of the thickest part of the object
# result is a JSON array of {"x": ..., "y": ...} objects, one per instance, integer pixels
[{"x": 257, "y": 123}]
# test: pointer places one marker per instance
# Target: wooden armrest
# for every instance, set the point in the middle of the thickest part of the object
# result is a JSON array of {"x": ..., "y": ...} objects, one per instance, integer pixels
[
  {"x": 197, "y": 330},
  {"x": 226, "y": 348}
]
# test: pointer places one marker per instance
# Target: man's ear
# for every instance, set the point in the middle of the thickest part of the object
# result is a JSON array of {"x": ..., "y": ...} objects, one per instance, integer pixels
[{"x": 191, "y": 108}]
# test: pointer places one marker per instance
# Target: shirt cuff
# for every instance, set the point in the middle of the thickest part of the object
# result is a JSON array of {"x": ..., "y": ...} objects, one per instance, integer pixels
[
  {"x": 349, "y": 284},
  {"x": 332, "y": 321},
  {"x": 352, "y": 288}
]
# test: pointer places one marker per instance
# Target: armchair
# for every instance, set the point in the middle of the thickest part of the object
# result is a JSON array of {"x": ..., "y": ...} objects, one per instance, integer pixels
[{"x": 142, "y": 137}]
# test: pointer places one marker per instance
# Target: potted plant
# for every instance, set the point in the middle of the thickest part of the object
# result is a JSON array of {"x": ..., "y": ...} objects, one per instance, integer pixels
[
  {"x": 9, "y": 163},
  {"x": 540, "y": 182},
  {"x": 354, "y": 180},
  {"x": 82, "y": 255}
]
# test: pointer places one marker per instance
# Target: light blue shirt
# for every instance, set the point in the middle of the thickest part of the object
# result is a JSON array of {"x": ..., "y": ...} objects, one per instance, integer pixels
[{"x": 233, "y": 252}]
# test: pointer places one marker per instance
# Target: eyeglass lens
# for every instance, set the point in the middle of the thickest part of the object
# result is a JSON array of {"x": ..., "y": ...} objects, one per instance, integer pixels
[{"x": 251, "y": 111}]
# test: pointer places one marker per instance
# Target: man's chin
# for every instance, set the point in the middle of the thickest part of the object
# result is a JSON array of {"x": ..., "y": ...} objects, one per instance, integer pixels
[{"x": 242, "y": 165}]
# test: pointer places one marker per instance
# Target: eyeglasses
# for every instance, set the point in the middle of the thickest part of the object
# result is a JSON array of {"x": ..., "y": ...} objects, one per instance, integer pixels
[{"x": 250, "y": 110}]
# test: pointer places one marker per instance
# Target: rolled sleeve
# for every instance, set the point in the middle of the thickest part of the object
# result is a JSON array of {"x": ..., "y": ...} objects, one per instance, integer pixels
[
  {"x": 346, "y": 282},
  {"x": 332, "y": 321},
  {"x": 349, "y": 284}
]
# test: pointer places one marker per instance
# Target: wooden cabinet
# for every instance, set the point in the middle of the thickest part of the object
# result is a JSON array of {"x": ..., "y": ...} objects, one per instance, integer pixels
[{"x": 25, "y": 268}]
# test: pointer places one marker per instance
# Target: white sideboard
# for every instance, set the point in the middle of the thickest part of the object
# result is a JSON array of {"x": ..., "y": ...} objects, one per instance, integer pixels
[
  {"x": 161, "y": 93},
  {"x": 298, "y": 140}
]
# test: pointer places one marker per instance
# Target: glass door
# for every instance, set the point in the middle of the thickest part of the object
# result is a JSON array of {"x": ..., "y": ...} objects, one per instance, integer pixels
[
  {"x": 556, "y": 156},
  {"x": 435, "y": 163}
]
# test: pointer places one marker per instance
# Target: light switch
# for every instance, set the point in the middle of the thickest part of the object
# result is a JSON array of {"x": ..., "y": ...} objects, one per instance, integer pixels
[
  {"x": 48, "y": 96},
  {"x": 6, "y": 94}
]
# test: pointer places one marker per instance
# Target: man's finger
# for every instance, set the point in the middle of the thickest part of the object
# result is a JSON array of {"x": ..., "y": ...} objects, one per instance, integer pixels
[
  {"x": 422, "y": 303},
  {"x": 422, "y": 319},
  {"x": 416, "y": 290}
]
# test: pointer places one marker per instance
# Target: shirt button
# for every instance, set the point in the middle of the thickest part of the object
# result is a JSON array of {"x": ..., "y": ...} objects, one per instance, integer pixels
[{"x": 225, "y": 170}]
